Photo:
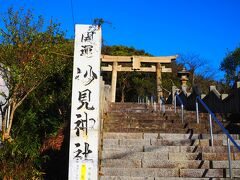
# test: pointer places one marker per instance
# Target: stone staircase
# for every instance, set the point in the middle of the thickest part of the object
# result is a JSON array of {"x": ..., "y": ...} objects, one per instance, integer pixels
[{"x": 139, "y": 143}]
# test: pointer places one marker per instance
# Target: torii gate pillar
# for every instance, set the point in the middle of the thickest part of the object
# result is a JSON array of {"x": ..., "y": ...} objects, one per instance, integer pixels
[
  {"x": 114, "y": 81},
  {"x": 159, "y": 81}
]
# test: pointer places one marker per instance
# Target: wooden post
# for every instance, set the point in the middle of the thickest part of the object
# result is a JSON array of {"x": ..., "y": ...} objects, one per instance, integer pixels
[
  {"x": 114, "y": 81},
  {"x": 159, "y": 81}
]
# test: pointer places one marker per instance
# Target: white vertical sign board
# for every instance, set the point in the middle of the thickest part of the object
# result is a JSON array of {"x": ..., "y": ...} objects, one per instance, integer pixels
[{"x": 84, "y": 132}]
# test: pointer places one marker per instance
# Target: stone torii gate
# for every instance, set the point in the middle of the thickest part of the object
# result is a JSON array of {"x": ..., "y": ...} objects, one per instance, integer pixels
[{"x": 135, "y": 65}]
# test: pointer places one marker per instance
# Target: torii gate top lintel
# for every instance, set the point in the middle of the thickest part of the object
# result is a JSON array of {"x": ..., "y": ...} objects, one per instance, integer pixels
[
  {"x": 148, "y": 59},
  {"x": 136, "y": 63}
]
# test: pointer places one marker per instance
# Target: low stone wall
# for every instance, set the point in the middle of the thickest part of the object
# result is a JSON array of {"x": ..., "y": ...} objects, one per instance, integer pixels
[{"x": 218, "y": 103}]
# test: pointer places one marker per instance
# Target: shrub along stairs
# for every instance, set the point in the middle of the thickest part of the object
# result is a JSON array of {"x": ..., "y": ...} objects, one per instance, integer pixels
[{"x": 139, "y": 143}]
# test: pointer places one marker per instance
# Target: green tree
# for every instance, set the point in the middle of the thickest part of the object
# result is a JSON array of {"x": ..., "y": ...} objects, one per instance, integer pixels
[
  {"x": 231, "y": 66},
  {"x": 39, "y": 117},
  {"x": 30, "y": 52},
  {"x": 36, "y": 64}
]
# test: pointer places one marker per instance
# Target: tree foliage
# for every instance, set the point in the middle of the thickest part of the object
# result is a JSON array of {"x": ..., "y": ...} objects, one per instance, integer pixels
[
  {"x": 36, "y": 65},
  {"x": 119, "y": 50},
  {"x": 231, "y": 66},
  {"x": 29, "y": 54}
]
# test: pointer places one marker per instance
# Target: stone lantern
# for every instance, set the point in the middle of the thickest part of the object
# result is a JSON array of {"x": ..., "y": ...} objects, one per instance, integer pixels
[
  {"x": 237, "y": 82},
  {"x": 183, "y": 75}
]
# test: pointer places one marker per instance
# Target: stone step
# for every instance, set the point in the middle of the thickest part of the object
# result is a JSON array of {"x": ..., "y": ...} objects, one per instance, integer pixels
[
  {"x": 106, "y": 155},
  {"x": 164, "y": 127},
  {"x": 125, "y": 178},
  {"x": 154, "y": 115},
  {"x": 202, "y": 173},
  {"x": 151, "y": 112},
  {"x": 132, "y": 104},
  {"x": 185, "y": 142},
  {"x": 156, "y": 163},
  {"x": 186, "y": 136},
  {"x": 185, "y": 178},
  {"x": 153, "y": 129},
  {"x": 189, "y": 149},
  {"x": 209, "y": 173},
  {"x": 169, "y": 127},
  {"x": 188, "y": 164},
  {"x": 109, "y": 135},
  {"x": 136, "y": 117},
  {"x": 176, "y": 149},
  {"x": 165, "y": 142},
  {"x": 157, "y": 113},
  {"x": 123, "y": 127},
  {"x": 159, "y": 125},
  {"x": 150, "y": 129},
  {"x": 168, "y": 124},
  {"x": 140, "y": 172},
  {"x": 190, "y": 142},
  {"x": 159, "y": 119},
  {"x": 202, "y": 156},
  {"x": 163, "y": 124},
  {"x": 138, "y": 148},
  {"x": 165, "y": 172},
  {"x": 135, "y": 106},
  {"x": 127, "y": 142},
  {"x": 133, "y": 163},
  {"x": 173, "y": 156},
  {"x": 155, "y": 178},
  {"x": 224, "y": 164},
  {"x": 170, "y": 136}
]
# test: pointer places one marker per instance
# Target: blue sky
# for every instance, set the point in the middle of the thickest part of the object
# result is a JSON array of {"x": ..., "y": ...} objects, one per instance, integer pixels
[{"x": 161, "y": 27}]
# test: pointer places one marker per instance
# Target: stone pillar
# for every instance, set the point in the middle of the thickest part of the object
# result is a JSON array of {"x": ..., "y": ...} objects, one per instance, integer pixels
[
  {"x": 85, "y": 90},
  {"x": 114, "y": 81},
  {"x": 159, "y": 81},
  {"x": 174, "y": 90},
  {"x": 238, "y": 84}
]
